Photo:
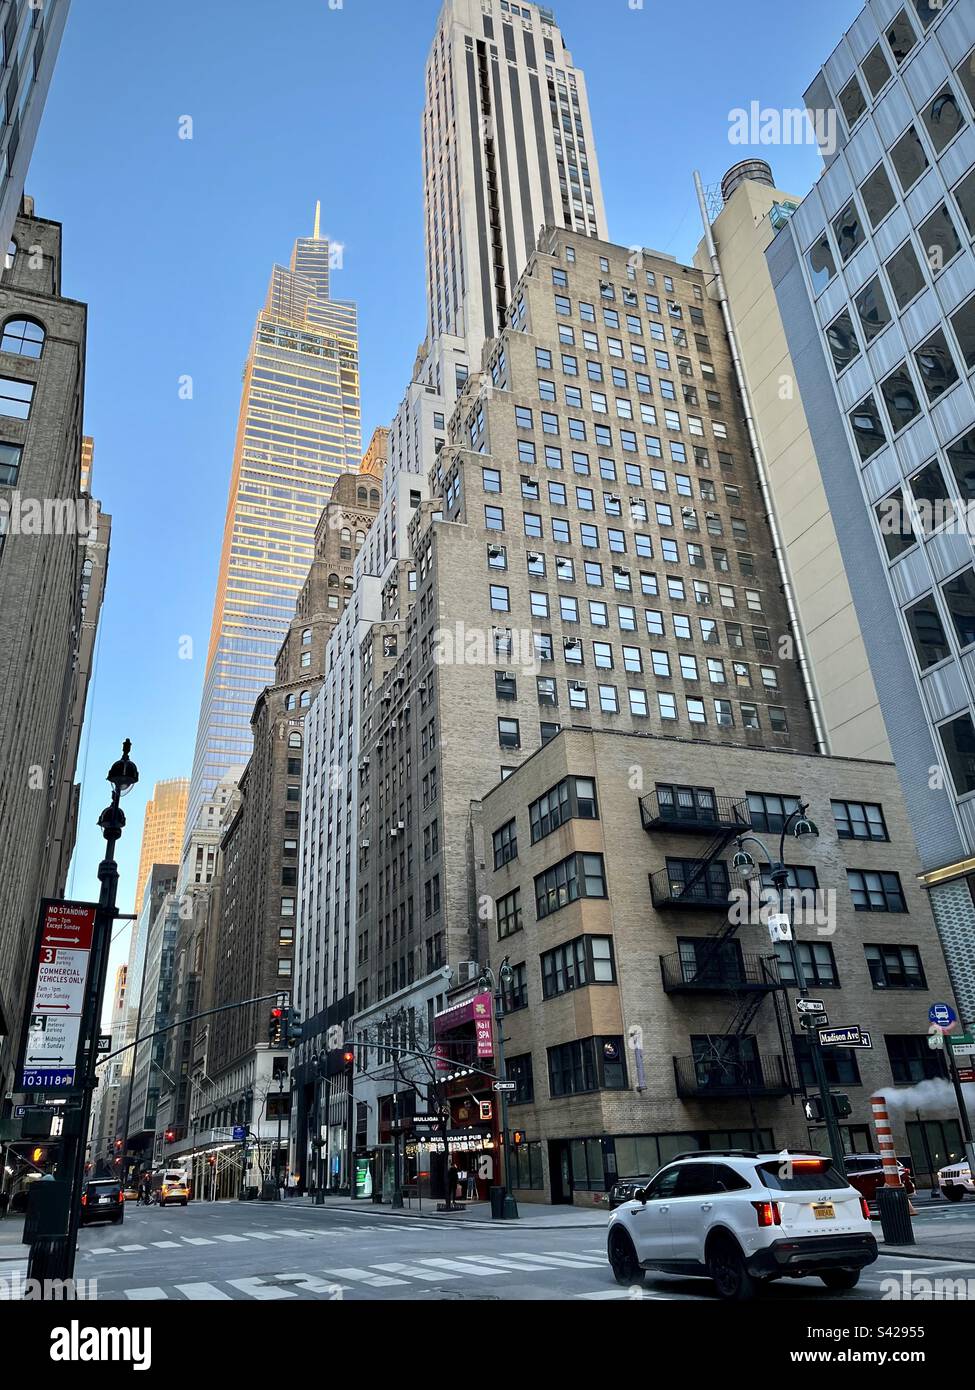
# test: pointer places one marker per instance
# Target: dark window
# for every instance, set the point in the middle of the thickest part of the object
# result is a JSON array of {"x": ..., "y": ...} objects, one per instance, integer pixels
[
  {"x": 868, "y": 429},
  {"x": 959, "y": 596},
  {"x": 822, "y": 267},
  {"x": 578, "y": 876},
  {"x": 585, "y": 961},
  {"x": 572, "y": 798},
  {"x": 588, "y": 1064},
  {"x": 958, "y": 741},
  {"x": 932, "y": 497},
  {"x": 909, "y": 159},
  {"x": 961, "y": 456},
  {"x": 769, "y": 810},
  {"x": 963, "y": 323},
  {"x": 901, "y": 37},
  {"x": 848, "y": 231},
  {"x": 927, "y": 633},
  {"x": 842, "y": 340},
  {"x": 840, "y": 1063},
  {"x": 936, "y": 365},
  {"x": 516, "y": 996},
  {"x": 911, "y": 1059},
  {"x": 896, "y": 527},
  {"x": 904, "y": 273},
  {"x": 939, "y": 238},
  {"x": 505, "y": 843},
  {"x": 875, "y": 892},
  {"x": 818, "y": 964},
  {"x": 943, "y": 118},
  {"x": 509, "y": 913},
  {"x": 876, "y": 69},
  {"x": 519, "y": 1070},
  {"x": 505, "y": 686},
  {"x": 965, "y": 198},
  {"x": 895, "y": 967},
  {"x": 859, "y": 820},
  {"x": 10, "y": 455},
  {"x": 872, "y": 309},
  {"x": 508, "y": 733},
  {"x": 853, "y": 101},
  {"x": 901, "y": 398}
]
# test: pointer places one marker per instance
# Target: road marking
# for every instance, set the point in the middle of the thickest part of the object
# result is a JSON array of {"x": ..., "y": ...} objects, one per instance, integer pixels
[
  {"x": 143, "y": 1295},
  {"x": 583, "y": 1261},
  {"x": 639, "y": 1297},
  {"x": 414, "y": 1271},
  {"x": 127, "y": 1248},
  {"x": 260, "y": 1235},
  {"x": 203, "y": 1292},
  {"x": 197, "y": 1240},
  {"x": 464, "y": 1269},
  {"x": 295, "y": 1231},
  {"x": 256, "y": 1288},
  {"x": 522, "y": 1265},
  {"x": 363, "y": 1276},
  {"x": 104, "y": 1250},
  {"x": 242, "y": 1239},
  {"x": 311, "y": 1283},
  {"x": 160, "y": 1245}
]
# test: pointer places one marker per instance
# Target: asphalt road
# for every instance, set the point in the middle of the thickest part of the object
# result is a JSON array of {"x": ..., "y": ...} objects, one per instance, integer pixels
[{"x": 261, "y": 1252}]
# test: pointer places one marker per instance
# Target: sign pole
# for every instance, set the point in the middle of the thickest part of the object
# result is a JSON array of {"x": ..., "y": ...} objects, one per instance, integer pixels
[{"x": 966, "y": 1124}]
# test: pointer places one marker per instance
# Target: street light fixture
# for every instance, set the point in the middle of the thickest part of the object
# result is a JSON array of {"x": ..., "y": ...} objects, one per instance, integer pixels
[
  {"x": 799, "y": 825},
  {"x": 499, "y": 985}
]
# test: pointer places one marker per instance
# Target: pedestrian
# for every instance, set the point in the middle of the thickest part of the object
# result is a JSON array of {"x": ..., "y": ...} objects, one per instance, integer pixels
[
  {"x": 451, "y": 1184},
  {"x": 292, "y": 1185},
  {"x": 4, "y": 1200}
]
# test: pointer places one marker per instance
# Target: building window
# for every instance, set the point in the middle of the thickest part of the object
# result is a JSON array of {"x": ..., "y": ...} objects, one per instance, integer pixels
[
  {"x": 939, "y": 238},
  {"x": 769, "y": 810},
  {"x": 22, "y": 338},
  {"x": 875, "y": 892},
  {"x": 818, "y": 964},
  {"x": 578, "y": 876},
  {"x": 842, "y": 1068},
  {"x": 15, "y": 397},
  {"x": 895, "y": 967},
  {"x": 859, "y": 820},
  {"x": 573, "y": 797},
  {"x": 936, "y": 365},
  {"x": 585, "y": 961},
  {"x": 927, "y": 633},
  {"x": 284, "y": 966},
  {"x": 959, "y": 596},
  {"x": 904, "y": 273},
  {"x": 287, "y": 907},
  {"x": 909, "y": 159},
  {"x": 911, "y": 1059},
  {"x": 958, "y": 741},
  {"x": 588, "y": 1064},
  {"x": 10, "y": 456},
  {"x": 868, "y": 429},
  {"x": 872, "y": 309},
  {"x": 509, "y": 914},
  {"x": 519, "y": 1070},
  {"x": 505, "y": 843}
]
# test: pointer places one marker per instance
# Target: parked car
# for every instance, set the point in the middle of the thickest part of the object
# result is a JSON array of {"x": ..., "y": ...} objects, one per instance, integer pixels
[
  {"x": 625, "y": 1188},
  {"x": 865, "y": 1172},
  {"x": 102, "y": 1200},
  {"x": 955, "y": 1180},
  {"x": 744, "y": 1219}
]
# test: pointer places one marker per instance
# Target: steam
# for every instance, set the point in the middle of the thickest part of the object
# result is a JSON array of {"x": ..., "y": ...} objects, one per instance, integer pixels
[{"x": 928, "y": 1096}]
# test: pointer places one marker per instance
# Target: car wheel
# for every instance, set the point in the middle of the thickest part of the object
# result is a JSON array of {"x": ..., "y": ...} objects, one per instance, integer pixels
[
  {"x": 953, "y": 1194},
  {"x": 840, "y": 1278},
  {"x": 727, "y": 1270},
  {"x": 623, "y": 1260},
  {"x": 182, "y": 1204}
]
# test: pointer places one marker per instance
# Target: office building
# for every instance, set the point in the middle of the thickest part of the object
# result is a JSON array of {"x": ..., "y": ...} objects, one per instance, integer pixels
[
  {"x": 875, "y": 278},
  {"x": 162, "y": 828}
]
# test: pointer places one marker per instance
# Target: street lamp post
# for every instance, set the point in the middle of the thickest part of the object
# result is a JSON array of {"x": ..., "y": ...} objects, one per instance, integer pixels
[
  {"x": 323, "y": 1087},
  {"x": 800, "y": 825},
  {"x": 498, "y": 985}
]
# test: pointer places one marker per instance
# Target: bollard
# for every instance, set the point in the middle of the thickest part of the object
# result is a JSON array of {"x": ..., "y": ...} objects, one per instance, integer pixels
[{"x": 893, "y": 1203}]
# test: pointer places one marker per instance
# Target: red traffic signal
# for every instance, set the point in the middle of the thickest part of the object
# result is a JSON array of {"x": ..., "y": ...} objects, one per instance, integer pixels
[
  {"x": 170, "y": 1136},
  {"x": 348, "y": 1056}
]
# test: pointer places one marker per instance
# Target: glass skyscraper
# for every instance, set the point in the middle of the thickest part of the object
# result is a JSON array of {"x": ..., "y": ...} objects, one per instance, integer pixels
[{"x": 299, "y": 429}]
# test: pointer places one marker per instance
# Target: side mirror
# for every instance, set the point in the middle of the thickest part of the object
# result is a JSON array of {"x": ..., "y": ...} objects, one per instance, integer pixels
[{"x": 641, "y": 1196}]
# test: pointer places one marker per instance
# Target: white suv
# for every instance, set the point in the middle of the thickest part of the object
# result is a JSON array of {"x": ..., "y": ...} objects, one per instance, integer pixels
[
  {"x": 744, "y": 1219},
  {"x": 955, "y": 1181}
]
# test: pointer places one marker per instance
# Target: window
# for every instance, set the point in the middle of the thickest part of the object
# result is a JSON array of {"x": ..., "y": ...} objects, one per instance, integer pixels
[
  {"x": 818, "y": 965},
  {"x": 505, "y": 843},
  {"x": 943, "y": 118},
  {"x": 10, "y": 455},
  {"x": 859, "y": 820},
  {"x": 904, "y": 274},
  {"x": 505, "y": 686},
  {"x": 936, "y": 365},
  {"x": 519, "y": 1070},
  {"x": 840, "y": 1063},
  {"x": 963, "y": 323},
  {"x": 585, "y": 961},
  {"x": 587, "y": 1064},
  {"x": 939, "y": 238},
  {"x": 822, "y": 267},
  {"x": 959, "y": 597},
  {"x": 900, "y": 36},
  {"x": 509, "y": 914},
  {"x": 876, "y": 70},
  {"x": 500, "y": 600},
  {"x": 494, "y": 518},
  {"x": 911, "y": 1059},
  {"x": 22, "y": 338},
  {"x": 666, "y": 705},
  {"x": 509, "y": 735},
  {"x": 958, "y": 742},
  {"x": 900, "y": 398},
  {"x": 853, "y": 101},
  {"x": 868, "y": 429},
  {"x": 872, "y": 309},
  {"x": 927, "y": 633},
  {"x": 964, "y": 195},
  {"x": 578, "y": 876},
  {"x": 848, "y": 231},
  {"x": 15, "y": 397},
  {"x": 842, "y": 341},
  {"x": 769, "y": 811},
  {"x": 895, "y": 967},
  {"x": 875, "y": 892},
  {"x": 491, "y": 479},
  {"x": 909, "y": 159}
]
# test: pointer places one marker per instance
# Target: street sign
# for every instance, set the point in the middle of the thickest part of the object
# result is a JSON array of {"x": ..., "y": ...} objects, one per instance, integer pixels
[
  {"x": 810, "y": 1006},
  {"x": 810, "y": 1021},
  {"x": 50, "y": 1056},
  {"x": 962, "y": 1043},
  {"x": 942, "y": 1014},
  {"x": 240, "y": 1133},
  {"x": 865, "y": 1040},
  {"x": 104, "y": 1042},
  {"x": 966, "y": 1073},
  {"x": 506, "y": 1085},
  {"x": 840, "y": 1037}
]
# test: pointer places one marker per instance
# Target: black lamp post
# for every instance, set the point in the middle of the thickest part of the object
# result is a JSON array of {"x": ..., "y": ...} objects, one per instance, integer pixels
[
  {"x": 799, "y": 824},
  {"x": 498, "y": 985},
  {"x": 323, "y": 1097}
]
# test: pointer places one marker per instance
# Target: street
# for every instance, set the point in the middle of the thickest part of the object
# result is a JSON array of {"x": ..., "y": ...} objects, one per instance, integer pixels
[{"x": 254, "y": 1251}]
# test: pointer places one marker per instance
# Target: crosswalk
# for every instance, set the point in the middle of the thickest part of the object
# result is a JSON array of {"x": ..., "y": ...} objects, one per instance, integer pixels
[
  {"x": 341, "y": 1281},
  {"x": 310, "y": 1233}
]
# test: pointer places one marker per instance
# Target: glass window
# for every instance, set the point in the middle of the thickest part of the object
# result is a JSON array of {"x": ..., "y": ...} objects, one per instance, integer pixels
[
  {"x": 853, "y": 101},
  {"x": 875, "y": 892},
  {"x": 961, "y": 457},
  {"x": 959, "y": 597},
  {"x": 848, "y": 231},
  {"x": 939, "y": 238},
  {"x": 872, "y": 309},
  {"x": 876, "y": 69},
  {"x": 15, "y": 397},
  {"x": 905, "y": 276},
  {"x": 963, "y": 323},
  {"x": 900, "y": 398},
  {"x": 958, "y": 741},
  {"x": 964, "y": 195},
  {"x": 822, "y": 267},
  {"x": 10, "y": 455},
  {"x": 895, "y": 967},
  {"x": 927, "y": 633},
  {"x": 842, "y": 341},
  {"x": 878, "y": 195},
  {"x": 22, "y": 338},
  {"x": 868, "y": 429},
  {"x": 943, "y": 118},
  {"x": 859, "y": 820},
  {"x": 936, "y": 365},
  {"x": 909, "y": 159},
  {"x": 901, "y": 37}
]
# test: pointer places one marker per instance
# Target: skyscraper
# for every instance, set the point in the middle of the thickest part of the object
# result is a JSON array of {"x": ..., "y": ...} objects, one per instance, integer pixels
[
  {"x": 875, "y": 277},
  {"x": 162, "y": 829},
  {"x": 299, "y": 429},
  {"x": 30, "y": 36}
]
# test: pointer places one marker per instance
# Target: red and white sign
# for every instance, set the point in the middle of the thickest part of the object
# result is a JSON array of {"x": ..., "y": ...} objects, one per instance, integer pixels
[
  {"x": 61, "y": 977},
  {"x": 68, "y": 924}
]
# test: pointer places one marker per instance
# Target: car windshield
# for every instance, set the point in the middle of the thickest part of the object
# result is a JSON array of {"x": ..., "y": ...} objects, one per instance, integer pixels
[{"x": 800, "y": 1175}]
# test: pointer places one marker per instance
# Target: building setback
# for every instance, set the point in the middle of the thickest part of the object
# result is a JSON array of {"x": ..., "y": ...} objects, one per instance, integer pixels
[
  {"x": 53, "y": 558},
  {"x": 875, "y": 278},
  {"x": 162, "y": 828}
]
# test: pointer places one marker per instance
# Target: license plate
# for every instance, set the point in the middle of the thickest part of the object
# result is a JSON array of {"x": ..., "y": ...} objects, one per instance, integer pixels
[
  {"x": 104, "y": 1201},
  {"x": 824, "y": 1211}
]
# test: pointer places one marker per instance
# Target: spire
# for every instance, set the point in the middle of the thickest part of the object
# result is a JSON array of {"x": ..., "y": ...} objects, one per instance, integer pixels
[{"x": 318, "y": 222}]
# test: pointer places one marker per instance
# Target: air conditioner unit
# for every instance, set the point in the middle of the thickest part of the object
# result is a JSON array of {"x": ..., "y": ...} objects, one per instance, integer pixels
[
  {"x": 422, "y": 685},
  {"x": 406, "y": 707},
  {"x": 364, "y": 844},
  {"x": 612, "y": 497},
  {"x": 533, "y": 555},
  {"x": 387, "y": 699},
  {"x": 619, "y": 569},
  {"x": 393, "y": 834},
  {"x": 711, "y": 516},
  {"x": 704, "y": 598},
  {"x": 468, "y": 972},
  {"x": 687, "y": 511},
  {"x": 572, "y": 642},
  {"x": 394, "y": 724},
  {"x": 495, "y": 551},
  {"x": 577, "y": 685}
]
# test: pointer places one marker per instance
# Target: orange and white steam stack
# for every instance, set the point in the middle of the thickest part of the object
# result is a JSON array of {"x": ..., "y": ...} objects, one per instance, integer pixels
[{"x": 885, "y": 1143}]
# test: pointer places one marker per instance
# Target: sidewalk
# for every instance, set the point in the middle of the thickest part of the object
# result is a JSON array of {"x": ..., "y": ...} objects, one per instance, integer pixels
[
  {"x": 952, "y": 1240},
  {"x": 12, "y": 1246},
  {"x": 531, "y": 1215}
]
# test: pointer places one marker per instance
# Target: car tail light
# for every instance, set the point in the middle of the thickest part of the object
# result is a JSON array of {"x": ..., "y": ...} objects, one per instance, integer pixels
[
  {"x": 865, "y": 1208},
  {"x": 165, "y": 1191},
  {"x": 121, "y": 1197},
  {"x": 769, "y": 1213},
  {"x": 84, "y": 1199}
]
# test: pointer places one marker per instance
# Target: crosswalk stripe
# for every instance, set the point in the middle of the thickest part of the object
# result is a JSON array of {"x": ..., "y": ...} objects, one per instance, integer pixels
[
  {"x": 363, "y": 1276},
  {"x": 464, "y": 1269},
  {"x": 197, "y": 1240},
  {"x": 509, "y": 1265},
  {"x": 260, "y": 1235},
  {"x": 242, "y": 1239},
  {"x": 414, "y": 1271},
  {"x": 103, "y": 1250},
  {"x": 203, "y": 1292},
  {"x": 160, "y": 1245},
  {"x": 143, "y": 1295},
  {"x": 310, "y": 1283},
  {"x": 127, "y": 1248},
  {"x": 257, "y": 1288},
  {"x": 582, "y": 1260}
]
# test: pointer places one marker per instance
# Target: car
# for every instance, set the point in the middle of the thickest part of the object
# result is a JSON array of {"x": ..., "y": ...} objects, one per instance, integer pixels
[
  {"x": 102, "y": 1201},
  {"x": 955, "y": 1180},
  {"x": 865, "y": 1172},
  {"x": 625, "y": 1188},
  {"x": 171, "y": 1186},
  {"x": 744, "y": 1219}
]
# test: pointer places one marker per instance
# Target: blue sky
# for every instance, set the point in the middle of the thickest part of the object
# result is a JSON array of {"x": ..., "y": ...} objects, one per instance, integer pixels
[{"x": 170, "y": 242}]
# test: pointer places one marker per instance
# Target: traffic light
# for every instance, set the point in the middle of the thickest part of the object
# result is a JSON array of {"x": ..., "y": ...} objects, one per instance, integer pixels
[
  {"x": 170, "y": 1136},
  {"x": 38, "y": 1155},
  {"x": 840, "y": 1104},
  {"x": 292, "y": 1027},
  {"x": 517, "y": 1138},
  {"x": 348, "y": 1061},
  {"x": 275, "y": 1027}
]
